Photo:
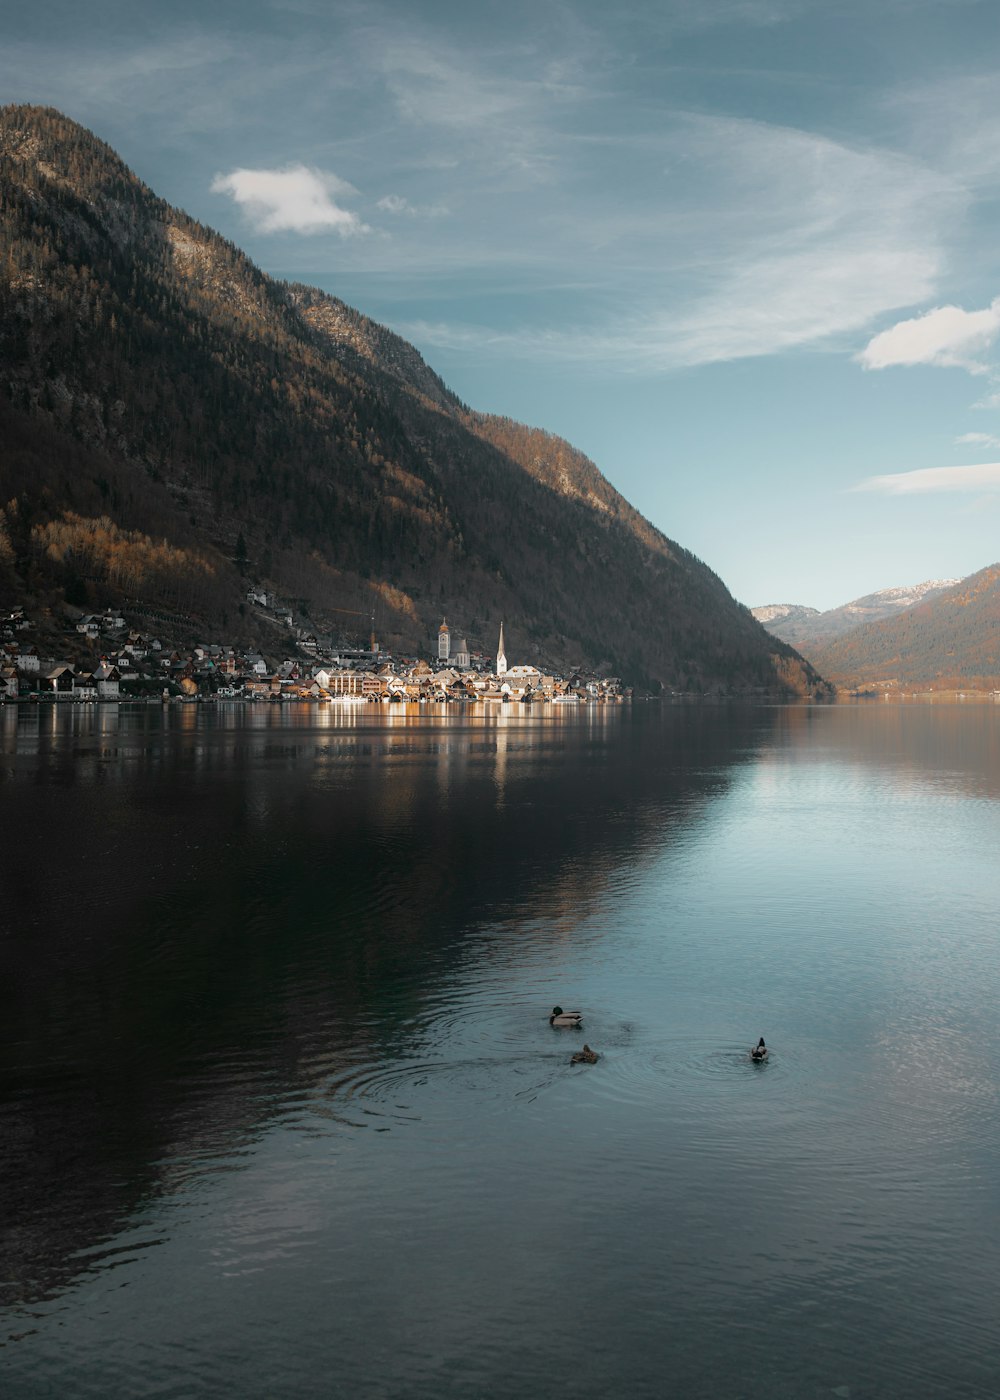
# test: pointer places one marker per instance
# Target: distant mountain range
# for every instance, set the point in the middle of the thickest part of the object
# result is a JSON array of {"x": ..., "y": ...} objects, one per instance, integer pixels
[
  {"x": 943, "y": 634},
  {"x": 176, "y": 424},
  {"x": 810, "y": 627}
]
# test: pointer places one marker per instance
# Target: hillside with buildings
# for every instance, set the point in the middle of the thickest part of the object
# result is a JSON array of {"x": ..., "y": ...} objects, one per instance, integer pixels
[
  {"x": 180, "y": 426},
  {"x": 99, "y": 657}
]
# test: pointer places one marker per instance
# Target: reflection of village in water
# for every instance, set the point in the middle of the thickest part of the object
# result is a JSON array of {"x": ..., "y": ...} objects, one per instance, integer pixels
[
  {"x": 272, "y": 960},
  {"x": 342, "y": 732},
  {"x": 130, "y": 665},
  {"x": 325, "y": 738},
  {"x": 266, "y": 875}
]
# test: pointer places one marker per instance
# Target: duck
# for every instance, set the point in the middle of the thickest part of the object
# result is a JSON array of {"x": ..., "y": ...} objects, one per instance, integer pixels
[
  {"x": 560, "y": 1017},
  {"x": 586, "y": 1056},
  {"x": 759, "y": 1051}
]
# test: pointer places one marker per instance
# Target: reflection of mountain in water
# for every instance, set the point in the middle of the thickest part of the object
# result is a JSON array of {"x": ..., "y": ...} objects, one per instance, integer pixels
[
  {"x": 224, "y": 904},
  {"x": 953, "y": 745}
]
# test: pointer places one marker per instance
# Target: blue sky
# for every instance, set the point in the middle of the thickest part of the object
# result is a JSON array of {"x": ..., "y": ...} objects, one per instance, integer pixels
[{"x": 741, "y": 252}]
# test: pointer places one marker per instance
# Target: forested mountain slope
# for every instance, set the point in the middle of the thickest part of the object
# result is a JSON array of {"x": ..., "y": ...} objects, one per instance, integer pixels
[
  {"x": 809, "y": 628},
  {"x": 175, "y": 420},
  {"x": 949, "y": 640}
]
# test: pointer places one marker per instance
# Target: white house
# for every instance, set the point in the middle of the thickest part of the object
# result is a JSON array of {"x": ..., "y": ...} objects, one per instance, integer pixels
[{"x": 106, "y": 679}]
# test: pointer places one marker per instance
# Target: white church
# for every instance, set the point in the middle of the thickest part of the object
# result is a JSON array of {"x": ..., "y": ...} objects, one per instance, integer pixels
[
  {"x": 460, "y": 660},
  {"x": 513, "y": 680}
]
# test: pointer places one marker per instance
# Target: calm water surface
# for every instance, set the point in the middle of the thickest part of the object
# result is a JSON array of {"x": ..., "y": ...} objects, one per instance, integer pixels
[{"x": 281, "y": 1113}]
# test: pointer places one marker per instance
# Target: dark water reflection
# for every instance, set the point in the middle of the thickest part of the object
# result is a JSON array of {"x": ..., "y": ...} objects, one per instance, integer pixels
[{"x": 280, "y": 1112}]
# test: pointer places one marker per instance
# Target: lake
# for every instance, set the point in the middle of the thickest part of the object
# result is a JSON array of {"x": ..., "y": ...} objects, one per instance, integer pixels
[{"x": 281, "y": 1112}]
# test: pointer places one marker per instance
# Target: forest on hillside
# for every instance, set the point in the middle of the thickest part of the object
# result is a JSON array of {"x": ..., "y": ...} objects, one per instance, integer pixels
[
  {"x": 224, "y": 423},
  {"x": 951, "y": 641}
]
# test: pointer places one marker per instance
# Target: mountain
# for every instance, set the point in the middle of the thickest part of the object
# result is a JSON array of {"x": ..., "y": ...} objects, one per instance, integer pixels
[
  {"x": 808, "y": 628},
  {"x": 784, "y": 615},
  {"x": 178, "y": 423},
  {"x": 949, "y": 640}
]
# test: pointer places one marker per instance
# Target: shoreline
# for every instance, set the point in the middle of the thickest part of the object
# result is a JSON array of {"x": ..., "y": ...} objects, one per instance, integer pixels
[{"x": 949, "y": 697}]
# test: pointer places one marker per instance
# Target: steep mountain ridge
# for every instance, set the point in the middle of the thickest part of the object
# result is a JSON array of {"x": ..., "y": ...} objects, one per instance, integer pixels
[
  {"x": 353, "y": 337},
  {"x": 154, "y": 376}
]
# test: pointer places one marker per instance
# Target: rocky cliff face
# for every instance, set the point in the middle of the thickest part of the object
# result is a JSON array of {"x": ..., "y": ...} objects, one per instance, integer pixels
[{"x": 153, "y": 377}]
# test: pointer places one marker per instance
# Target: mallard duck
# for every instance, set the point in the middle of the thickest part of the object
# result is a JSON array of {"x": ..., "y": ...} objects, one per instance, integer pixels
[
  {"x": 586, "y": 1056},
  {"x": 759, "y": 1051},
  {"x": 560, "y": 1017}
]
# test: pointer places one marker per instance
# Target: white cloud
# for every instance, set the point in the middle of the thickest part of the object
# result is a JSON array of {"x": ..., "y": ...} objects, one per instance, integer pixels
[
  {"x": 945, "y": 336},
  {"x": 761, "y": 306},
  {"x": 399, "y": 204},
  {"x": 780, "y": 300},
  {"x": 983, "y": 477},
  {"x": 984, "y": 440},
  {"x": 760, "y": 239},
  {"x": 297, "y": 199},
  {"x": 693, "y": 238}
]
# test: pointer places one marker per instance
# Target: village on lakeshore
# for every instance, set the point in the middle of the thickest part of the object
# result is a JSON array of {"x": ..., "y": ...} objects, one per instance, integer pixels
[{"x": 107, "y": 660}]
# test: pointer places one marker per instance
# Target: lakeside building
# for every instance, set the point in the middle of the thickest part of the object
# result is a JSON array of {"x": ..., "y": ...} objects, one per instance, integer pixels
[{"x": 135, "y": 666}]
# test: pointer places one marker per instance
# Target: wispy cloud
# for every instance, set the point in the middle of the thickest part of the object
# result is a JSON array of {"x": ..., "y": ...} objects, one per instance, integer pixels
[
  {"x": 954, "y": 121},
  {"x": 398, "y": 204},
  {"x": 945, "y": 336},
  {"x": 791, "y": 239},
  {"x": 986, "y": 441},
  {"x": 983, "y": 477},
  {"x": 297, "y": 199},
  {"x": 749, "y": 238},
  {"x": 496, "y": 110},
  {"x": 563, "y": 149},
  {"x": 821, "y": 238}
]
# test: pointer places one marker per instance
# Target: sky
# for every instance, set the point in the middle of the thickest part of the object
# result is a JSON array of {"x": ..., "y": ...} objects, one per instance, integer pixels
[{"x": 743, "y": 253}]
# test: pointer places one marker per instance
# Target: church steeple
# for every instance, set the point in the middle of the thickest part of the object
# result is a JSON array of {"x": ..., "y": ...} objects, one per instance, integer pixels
[
  {"x": 444, "y": 640},
  {"x": 501, "y": 656}
]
